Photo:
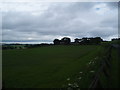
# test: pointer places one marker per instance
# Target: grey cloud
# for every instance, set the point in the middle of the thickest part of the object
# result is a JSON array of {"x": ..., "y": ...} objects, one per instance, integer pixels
[
  {"x": 109, "y": 23},
  {"x": 60, "y": 19},
  {"x": 112, "y": 5}
]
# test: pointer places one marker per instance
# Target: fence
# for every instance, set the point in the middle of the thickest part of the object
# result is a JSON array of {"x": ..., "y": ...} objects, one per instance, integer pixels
[{"x": 104, "y": 68}]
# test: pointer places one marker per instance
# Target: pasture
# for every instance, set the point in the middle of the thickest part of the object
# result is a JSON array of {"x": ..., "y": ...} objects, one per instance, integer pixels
[{"x": 51, "y": 67}]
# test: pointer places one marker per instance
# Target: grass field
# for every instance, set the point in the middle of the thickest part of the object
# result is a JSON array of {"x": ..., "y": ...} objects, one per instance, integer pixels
[
  {"x": 113, "y": 80},
  {"x": 115, "y": 72},
  {"x": 51, "y": 67}
]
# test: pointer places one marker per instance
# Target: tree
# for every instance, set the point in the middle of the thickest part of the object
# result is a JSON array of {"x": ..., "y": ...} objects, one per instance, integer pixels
[
  {"x": 56, "y": 41},
  {"x": 65, "y": 40},
  {"x": 77, "y": 40},
  {"x": 85, "y": 40},
  {"x": 98, "y": 40},
  {"x": 95, "y": 40}
]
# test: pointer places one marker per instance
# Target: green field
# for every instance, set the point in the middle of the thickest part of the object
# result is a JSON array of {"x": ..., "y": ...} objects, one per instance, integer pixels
[{"x": 51, "y": 66}]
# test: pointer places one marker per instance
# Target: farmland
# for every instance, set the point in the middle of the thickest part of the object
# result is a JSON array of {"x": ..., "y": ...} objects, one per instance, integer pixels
[{"x": 52, "y": 66}]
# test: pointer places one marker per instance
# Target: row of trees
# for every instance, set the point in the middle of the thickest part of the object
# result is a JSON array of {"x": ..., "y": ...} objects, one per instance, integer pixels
[
  {"x": 85, "y": 40},
  {"x": 95, "y": 40},
  {"x": 115, "y": 39},
  {"x": 63, "y": 41},
  {"x": 23, "y": 46}
]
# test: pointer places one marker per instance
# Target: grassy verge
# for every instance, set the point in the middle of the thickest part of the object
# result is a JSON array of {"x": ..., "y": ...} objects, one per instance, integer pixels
[
  {"x": 112, "y": 80},
  {"x": 115, "y": 73}
]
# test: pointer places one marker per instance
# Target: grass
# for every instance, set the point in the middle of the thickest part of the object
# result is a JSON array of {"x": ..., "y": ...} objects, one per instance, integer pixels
[
  {"x": 113, "y": 80},
  {"x": 50, "y": 67},
  {"x": 115, "y": 73}
]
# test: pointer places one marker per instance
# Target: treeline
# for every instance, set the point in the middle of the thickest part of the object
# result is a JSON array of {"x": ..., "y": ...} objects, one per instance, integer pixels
[
  {"x": 116, "y": 39},
  {"x": 23, "y": 46},
  {"x": 63, "y": 41},
  {"x": 82, "y": 41}
]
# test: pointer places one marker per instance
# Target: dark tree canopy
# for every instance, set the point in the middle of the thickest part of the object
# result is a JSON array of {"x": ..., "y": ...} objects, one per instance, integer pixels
[
  {"x": 56, "y": 41},
  {"x": 86, "y": 40},
  {"x": 83, "y": 41},
  {"x": 77, "y": 40},
  {"x": 65, "y": 40},
  {"x": 96, "y": 40}
]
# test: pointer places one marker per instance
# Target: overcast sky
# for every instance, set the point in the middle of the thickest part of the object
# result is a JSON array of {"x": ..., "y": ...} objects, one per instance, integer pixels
[{"x": 49, "y": 20}]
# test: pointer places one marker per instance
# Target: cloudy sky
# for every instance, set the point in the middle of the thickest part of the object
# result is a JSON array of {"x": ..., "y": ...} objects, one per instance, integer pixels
[{"x": 46, "y": 21}]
